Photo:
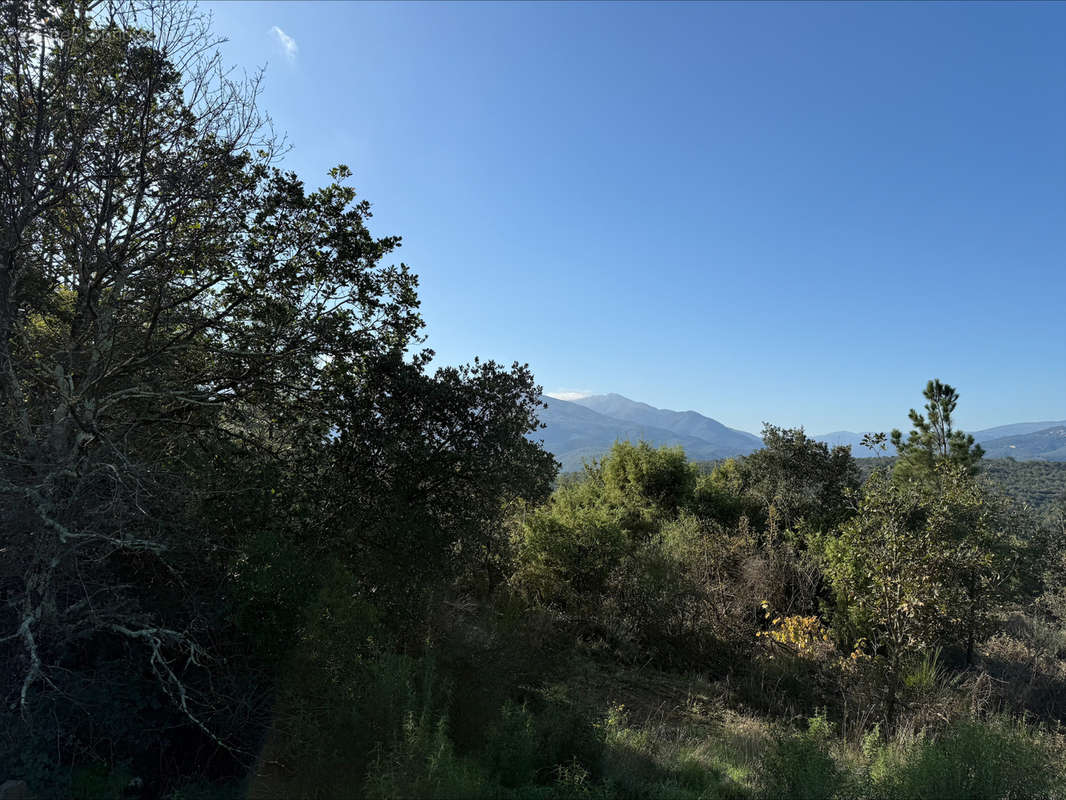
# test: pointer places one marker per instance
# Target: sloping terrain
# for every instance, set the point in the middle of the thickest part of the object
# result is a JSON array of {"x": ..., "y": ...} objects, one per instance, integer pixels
[{"x": 1043, "y": 445}]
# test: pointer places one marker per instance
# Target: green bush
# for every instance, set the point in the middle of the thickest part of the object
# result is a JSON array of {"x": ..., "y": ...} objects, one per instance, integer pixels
[
  {"x": 423, "y": 764},
  {"x": 511, "y": 754},
  {"x": 652, "y": 599},
  {"x": 27, "y": 750},
  {"x": 336, "y": 720},
  {"x": 566, "y": 734},
  {"x": 567, "y": 554},
  {"x": 800, "y": 766},
  {"x": 639, "y": 475},
  {"x": 719, "y": 495}
]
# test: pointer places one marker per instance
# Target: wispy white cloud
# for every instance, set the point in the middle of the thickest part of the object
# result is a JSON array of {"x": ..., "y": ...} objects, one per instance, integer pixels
[
  {"x": 570, "y": 395},
  {"x": 288, "y": 44}
]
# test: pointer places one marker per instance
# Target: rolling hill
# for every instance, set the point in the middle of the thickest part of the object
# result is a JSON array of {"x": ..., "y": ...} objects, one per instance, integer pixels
[{"x": 1043, "y": 445}]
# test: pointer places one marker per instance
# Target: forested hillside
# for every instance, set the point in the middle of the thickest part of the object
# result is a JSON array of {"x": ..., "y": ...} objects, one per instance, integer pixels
[
  {"x": 1041, "y": 485},
  {"x": 253, "y": 545}
]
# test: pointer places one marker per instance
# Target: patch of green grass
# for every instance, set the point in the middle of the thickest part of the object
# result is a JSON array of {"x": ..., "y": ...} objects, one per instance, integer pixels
[{"x": 984, "y": 760}]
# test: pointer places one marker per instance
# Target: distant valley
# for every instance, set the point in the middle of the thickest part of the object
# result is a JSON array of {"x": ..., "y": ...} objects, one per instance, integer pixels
[{"x": 584, "y": 428}]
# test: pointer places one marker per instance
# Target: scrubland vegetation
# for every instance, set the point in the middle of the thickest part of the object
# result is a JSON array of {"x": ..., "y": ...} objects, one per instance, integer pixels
[
  {"x": 769, "y": 629},
  {"x": 252, "y": 546}
]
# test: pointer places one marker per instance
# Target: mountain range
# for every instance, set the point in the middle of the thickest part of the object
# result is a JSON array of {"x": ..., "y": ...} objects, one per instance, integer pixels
[{"x": 583, "y": 428}]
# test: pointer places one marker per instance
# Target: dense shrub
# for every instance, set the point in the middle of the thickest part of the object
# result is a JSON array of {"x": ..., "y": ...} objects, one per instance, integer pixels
[
  {"x": 422, "y": 763},
  {"x": 512, "y": 753},
  {"x": 567, "y": 732},
  {"x": 986, "y": 760},
  {"x": 640, "y": 475},
  {"x": 799, "y": 765},
  {"x": 719, "y": 495},
  {"x": 567, "y": 554}
]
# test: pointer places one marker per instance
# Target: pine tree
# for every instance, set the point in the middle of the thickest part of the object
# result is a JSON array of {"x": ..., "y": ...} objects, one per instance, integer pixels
[{"x": 933, "y": 440}]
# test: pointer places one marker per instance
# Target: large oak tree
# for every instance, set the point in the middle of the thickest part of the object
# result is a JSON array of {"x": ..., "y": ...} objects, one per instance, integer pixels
[{"x": 210, "y": 377}]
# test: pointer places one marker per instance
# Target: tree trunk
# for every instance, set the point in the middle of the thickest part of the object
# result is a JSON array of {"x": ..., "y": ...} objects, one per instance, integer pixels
[{"x": 893, "y": 691}]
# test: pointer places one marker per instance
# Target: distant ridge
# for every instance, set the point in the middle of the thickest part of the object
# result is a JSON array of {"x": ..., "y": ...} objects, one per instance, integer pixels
[
  {"x": 1017, "y": 429},
  {"x": 1043, "y": 445},
  {"x": 585, "y": 427}
]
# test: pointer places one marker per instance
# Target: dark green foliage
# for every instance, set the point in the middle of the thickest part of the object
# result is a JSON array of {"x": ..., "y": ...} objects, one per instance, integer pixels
[
  {"x": 796, "y": 479},
  {"x": 201, "y": 789},
  {"x": 219, "y": 436},
  {"x": 336, "y": 721},
  {"x": 99, "y": 782},
  {"x": 422, "y": 763},
  {"x": 719, "y": 494},
  {"x": 512, "y": 752},
  {"x": 1038, "y": 484},
  {"x": 567, "y": 732},
  {"x": 27, "y": 751}
]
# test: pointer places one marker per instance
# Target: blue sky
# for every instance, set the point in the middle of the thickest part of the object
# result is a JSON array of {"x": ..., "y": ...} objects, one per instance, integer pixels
[{"x": 792, "y": 212}]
